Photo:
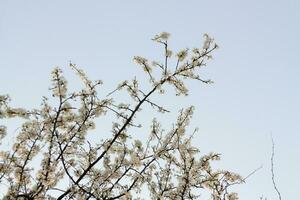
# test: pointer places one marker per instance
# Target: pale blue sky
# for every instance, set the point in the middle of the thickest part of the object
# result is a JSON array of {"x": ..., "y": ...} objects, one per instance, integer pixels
[{"x": 256, "y": 70}]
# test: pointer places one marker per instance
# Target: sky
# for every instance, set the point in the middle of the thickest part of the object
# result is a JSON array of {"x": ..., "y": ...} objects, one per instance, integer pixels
[{"x": 256, "y": 70}]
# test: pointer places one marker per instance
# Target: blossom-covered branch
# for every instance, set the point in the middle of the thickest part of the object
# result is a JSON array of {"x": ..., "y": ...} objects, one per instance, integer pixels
[{"x": 117, "y": 166}]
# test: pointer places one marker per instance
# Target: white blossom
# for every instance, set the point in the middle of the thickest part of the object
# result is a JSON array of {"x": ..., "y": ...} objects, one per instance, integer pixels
[{"x": 64, "y": 136}]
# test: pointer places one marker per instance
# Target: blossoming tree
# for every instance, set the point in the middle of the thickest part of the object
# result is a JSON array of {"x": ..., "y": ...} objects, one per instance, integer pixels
[{"x": 164, "y": 166}]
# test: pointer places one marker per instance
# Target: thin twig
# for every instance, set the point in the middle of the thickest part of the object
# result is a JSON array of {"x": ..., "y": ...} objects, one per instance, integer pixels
[
  {"x": 253, "y": 172},
  {"x": 272, "y": 169}
]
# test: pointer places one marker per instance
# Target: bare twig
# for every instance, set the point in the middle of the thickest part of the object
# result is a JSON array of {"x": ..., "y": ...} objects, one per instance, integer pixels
[
  {"x": 272, "y": 169},
  {"x": 253, "y": 172}
]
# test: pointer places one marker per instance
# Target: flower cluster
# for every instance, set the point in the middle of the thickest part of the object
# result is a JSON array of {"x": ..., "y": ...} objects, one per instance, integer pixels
[{"x": 118, "y": 165}]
